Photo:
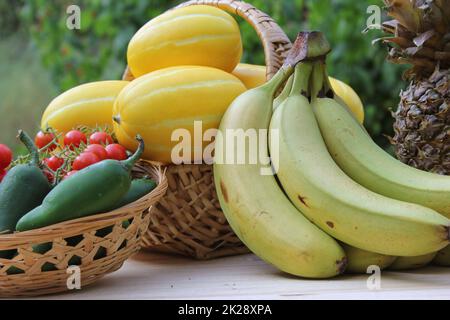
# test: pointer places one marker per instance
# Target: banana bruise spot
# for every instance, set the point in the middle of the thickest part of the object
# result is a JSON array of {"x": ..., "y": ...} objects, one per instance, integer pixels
[
  {"x": 330, "y": 224},
  {"x": 342, "y": 265},
  {"x": 224, "y": 190},
  {"x": 303, "y": 200}
]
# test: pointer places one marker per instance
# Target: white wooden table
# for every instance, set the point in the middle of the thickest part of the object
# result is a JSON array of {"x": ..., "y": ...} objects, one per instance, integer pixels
[{"x": 153, "y": 276}]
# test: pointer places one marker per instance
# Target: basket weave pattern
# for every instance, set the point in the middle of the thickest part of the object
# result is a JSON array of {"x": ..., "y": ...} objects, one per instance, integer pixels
[
  {"x": 189, "y": 220},
  {"x": 98, "y": 244}
]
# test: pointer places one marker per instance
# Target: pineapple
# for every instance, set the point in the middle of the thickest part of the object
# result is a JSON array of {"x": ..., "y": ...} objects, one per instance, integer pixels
[{"x": 421, "y": 38}]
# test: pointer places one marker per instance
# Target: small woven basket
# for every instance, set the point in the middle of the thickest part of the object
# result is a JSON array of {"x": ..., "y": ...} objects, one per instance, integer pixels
[
  {"x": 98, "y": 244},
  {"x": 189, "y": 220}
]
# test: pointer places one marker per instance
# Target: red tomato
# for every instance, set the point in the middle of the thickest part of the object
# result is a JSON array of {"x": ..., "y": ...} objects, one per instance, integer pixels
[
  {"x": 69, "y": 174},
  {"x": 116, "y": 152},
  {"x": 100, "y": 138},
  {"x": 85, "y": 160},
  {"x": 2, "y": 174},
  {"x": 98, "y": 149},
  {"x": 49, "y": 175},
  {"x": 44, "y": 140},
  {"x": 5, "y": 156},
  {"x": 74, "y": 138},
  {"x": 54, "y": 163}
]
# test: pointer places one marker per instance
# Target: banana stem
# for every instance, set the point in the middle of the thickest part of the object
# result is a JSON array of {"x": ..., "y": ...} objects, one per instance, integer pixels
[
  {"x": 278, "y": 79},
  {"x": 302, "y": 77},
  {"x": 321, "y": 86},
  {"x": 308, "y": 46},
  {"x": 284, "y": 94},
  {"x": 316, "y": 81}
]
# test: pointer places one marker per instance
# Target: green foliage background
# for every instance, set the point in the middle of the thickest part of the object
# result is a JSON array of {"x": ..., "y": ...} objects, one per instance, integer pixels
[{"x": 98, "y": 50}]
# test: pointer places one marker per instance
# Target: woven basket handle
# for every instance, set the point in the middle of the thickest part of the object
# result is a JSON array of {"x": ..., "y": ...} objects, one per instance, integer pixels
[{"x": 275, "y": 42}]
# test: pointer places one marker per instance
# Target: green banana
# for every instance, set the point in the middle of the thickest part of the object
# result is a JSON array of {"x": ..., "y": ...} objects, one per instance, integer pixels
[
  {"x": 284, "y": 94},
  {"x": 360, "y": 260},
  {"x": 334, "y": 202},
  {"x": 410, "y": 263},
  {"x": 254, "y": 204},
  {"x": 365, "y": 162},
  {"x": 442, "y": 258}
]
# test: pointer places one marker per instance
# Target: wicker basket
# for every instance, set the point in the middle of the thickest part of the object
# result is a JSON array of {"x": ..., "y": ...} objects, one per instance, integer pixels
[
  {"x": 98, "y": 244},
  {"x": 189, "y": 220}
]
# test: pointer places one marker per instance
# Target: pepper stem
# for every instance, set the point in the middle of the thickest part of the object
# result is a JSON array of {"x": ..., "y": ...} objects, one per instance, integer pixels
[
  {"x": 31, "y": 147},
  {"x": 131, "y": 161}
]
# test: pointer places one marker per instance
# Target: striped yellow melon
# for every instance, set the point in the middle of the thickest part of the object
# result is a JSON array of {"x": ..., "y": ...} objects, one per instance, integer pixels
[
  {"x": 157, "y": 104},
  {"x": 196, "y": 35},
  {"x": 89, "y": 105},
  {"x": 251, "y": 75}
]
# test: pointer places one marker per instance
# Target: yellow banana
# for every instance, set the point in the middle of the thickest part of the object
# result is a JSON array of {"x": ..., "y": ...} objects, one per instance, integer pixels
[
  {"x": 411, "y": 263},
  {"x": 255, "y": 206},
  {"x": 442, "y": 258},
  {"x": 338, "y": 205},
  {"x": 360, "y": 260},
  {"x": 369, "y": 165},
  {"x": 349, "y": 97}
]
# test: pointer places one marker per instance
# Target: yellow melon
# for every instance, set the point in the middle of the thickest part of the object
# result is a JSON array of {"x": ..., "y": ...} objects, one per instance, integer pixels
[
  {"x": 196, "y": 35},
  {"x": 161, "y": 102},
  {"x": 251, "y": 75},
  {"x": 89, "y": 105}
]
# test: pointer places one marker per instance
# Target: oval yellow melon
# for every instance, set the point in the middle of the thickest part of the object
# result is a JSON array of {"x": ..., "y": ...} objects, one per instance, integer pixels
[
  {"x": 251, "y": 75},
  {"x": 90, "y": 104},
  {"x": 350, "y": 97},
  {"x": 196, "y": 35},
  {"x": 157, "y": 104}
]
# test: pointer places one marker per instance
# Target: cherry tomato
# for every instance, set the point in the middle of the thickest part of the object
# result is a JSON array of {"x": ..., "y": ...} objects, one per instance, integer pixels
[
  {"x": 74, "y": 138},
  {"x": 116, "y": 152},
  {"x": 54, "y": 162},
  {"x": 85, "y": 160},
  {"x": 2, "y": 174},
  {"x": 100, "y": 138},
  {"x": 69, "y": 174},
  {"x": 49, "y": 175},
  {"x": 5, "y": 156},
  {"x": 44, "y": 139},
  {"x": 99, "y": 150}
]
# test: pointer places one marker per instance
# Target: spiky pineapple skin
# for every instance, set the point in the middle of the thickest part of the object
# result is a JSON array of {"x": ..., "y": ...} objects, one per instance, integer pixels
[{"x": 422, "y": 124}]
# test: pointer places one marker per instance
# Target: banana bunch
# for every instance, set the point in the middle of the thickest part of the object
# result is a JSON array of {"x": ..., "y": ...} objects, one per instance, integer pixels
[{"x": 331, "y": 182}]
